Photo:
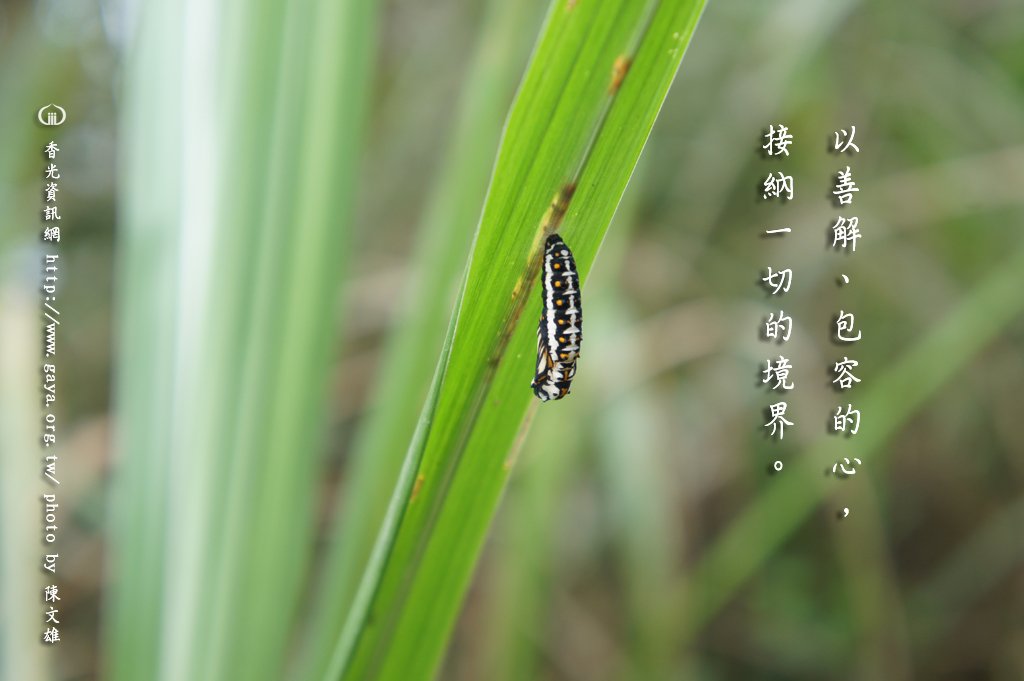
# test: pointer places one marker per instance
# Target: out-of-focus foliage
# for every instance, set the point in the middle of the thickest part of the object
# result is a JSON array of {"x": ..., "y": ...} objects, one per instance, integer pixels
[
  {"x": 641, "y": 537},
  {"x": 230, "y": 270}
]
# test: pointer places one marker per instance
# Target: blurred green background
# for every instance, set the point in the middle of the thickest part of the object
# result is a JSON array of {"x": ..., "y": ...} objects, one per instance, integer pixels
[{"x": 641, "y": 536}]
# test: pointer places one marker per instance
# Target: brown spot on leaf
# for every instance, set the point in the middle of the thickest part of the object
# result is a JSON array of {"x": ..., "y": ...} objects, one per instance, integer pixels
[
  {"x": 416, "y": 488},
  {"x": 619, "y": 70}
]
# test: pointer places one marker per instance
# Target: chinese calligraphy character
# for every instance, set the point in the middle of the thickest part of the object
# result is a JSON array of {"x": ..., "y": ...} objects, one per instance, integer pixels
[
  {"x": 844, "y": 324},
  {"x": 52, "y": 173},
  {"x": 51, "y": 192},
  {"x": 778, "y": 421},
  {"x": 844, "y": 373},
  {"x": 51, "y": 150},
  {"x": 50, "y": 593},
  {"x": 775, "y": 328},
  {"x": 50, "y": 213},
  {"x": 51, "y": 616},
  {"x": 776, "y": 187},
  {"x": 51, "y": 635},
  {"x": 845, "y": 187},
  {"x": 778, "y": 372},
  {"x": 845, "y": 233},
  {"x": 51, "y": 234},
  {"x": 850, "y": 418},
  {"x": 777, "y": 141},
  {"x": 779, "y": 281},
  {"x": 841, "y": 146},
  {"x": 842, "y": 467}
]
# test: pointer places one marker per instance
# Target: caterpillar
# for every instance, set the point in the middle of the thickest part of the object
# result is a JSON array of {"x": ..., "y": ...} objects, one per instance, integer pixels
[{"x": 560, "y": 331}]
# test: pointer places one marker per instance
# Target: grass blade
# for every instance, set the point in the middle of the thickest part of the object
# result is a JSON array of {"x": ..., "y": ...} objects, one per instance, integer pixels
[
  {"x": 410, "y": 358},
  {"x": 236, "y": 239},
  {"x": 571, "y": 124}
]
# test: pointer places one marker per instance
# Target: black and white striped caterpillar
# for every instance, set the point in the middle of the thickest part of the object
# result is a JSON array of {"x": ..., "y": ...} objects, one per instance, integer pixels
[{"x": 561, "y": 322}]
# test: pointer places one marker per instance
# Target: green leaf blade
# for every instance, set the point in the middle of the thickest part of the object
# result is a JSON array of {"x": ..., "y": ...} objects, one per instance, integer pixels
[{"x": 567, "y": 126}]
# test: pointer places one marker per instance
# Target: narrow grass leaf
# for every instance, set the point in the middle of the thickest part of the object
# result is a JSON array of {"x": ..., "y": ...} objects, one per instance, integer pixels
[
  {"x": 234, "y": 252},
  {"x": 411, "y": 356},
  {"x": 580, "y": 119}
]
